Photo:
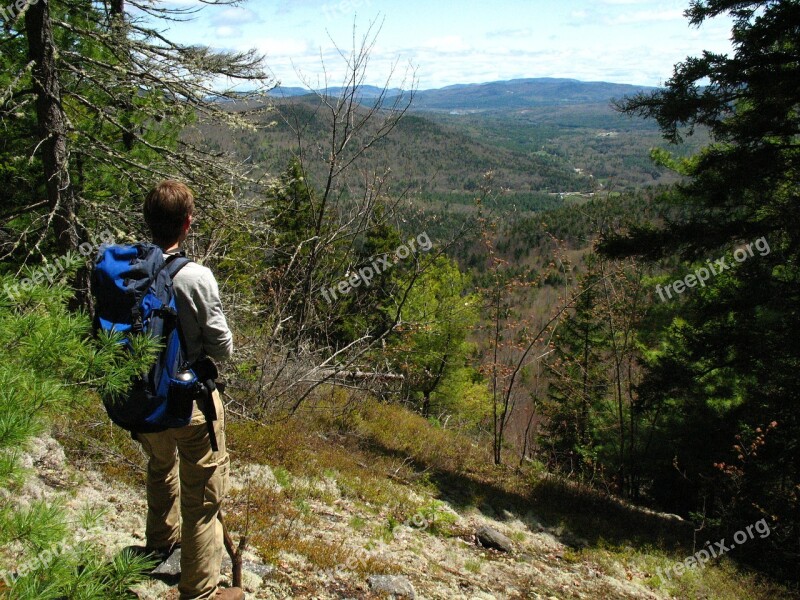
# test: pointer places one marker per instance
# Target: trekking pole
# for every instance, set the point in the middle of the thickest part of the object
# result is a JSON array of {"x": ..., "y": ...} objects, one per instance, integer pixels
[{"x": 234, "y": 551}]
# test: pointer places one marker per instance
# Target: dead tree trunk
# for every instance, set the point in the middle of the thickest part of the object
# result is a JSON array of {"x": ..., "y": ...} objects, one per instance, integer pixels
[
  {"x": 53, "y": 128},
  {"x": 52, "y": 124}
]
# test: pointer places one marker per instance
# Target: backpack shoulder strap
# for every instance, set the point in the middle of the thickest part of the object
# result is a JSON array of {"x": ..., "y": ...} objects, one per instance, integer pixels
[
  {"x": 176, "y": 262},
  {"x": 173, "y": 264}
]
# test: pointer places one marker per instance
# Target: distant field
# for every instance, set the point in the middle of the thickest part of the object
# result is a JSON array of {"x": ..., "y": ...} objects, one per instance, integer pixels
[{"x": 592, "y": 139}]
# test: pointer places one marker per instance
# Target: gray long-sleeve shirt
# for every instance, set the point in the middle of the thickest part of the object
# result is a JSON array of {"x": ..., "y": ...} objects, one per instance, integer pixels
[{"x": 200, "y": 311}]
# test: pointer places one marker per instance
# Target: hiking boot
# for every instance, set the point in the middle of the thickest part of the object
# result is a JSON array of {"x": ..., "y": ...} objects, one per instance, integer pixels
[
  {"x": 229, "y": 594},
  {"x": 159, "y": 555}
]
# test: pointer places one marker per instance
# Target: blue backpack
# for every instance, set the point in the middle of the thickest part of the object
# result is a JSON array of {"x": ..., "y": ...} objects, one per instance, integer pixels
[{"x": 132, "y": 286}]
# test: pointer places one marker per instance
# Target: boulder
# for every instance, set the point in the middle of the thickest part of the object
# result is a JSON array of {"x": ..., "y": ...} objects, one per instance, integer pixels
[
  {"x": 396, "y": 586},
  {"x": 489, "y": 537},
  {"x": 169, "y": 570}
]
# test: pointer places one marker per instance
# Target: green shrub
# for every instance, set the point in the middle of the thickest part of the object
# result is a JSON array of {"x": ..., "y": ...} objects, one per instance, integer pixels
[{"x": 50, "y": 366}]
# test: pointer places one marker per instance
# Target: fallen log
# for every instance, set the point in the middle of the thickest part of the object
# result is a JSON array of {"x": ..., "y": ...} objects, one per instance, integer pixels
[{"x": 359, "y": 375}]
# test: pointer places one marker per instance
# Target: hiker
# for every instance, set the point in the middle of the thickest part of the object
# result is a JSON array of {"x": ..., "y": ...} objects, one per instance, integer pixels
[{"x": 186, "y": 479}]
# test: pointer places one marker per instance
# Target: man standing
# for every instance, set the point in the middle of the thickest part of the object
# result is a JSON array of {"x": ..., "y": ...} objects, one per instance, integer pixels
[{"x": 186, "y": 479}]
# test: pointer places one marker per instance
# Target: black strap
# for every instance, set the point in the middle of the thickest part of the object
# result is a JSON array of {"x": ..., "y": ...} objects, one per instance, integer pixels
[
  {"x": 174, "y": 263},
  {"x": 169, "y": 260},
  {"x": 210, "y": 412},
  {"x": 138, "y": 325}
]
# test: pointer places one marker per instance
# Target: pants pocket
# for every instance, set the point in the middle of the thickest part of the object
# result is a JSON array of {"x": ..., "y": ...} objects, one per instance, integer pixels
[{"x": 219, "y": 483}]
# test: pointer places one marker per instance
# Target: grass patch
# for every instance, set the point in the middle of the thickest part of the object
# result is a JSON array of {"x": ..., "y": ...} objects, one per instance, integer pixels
[
  {"x": 385, "y": 456},
  {"x": 280, "y": 524},
  {"x": 434, "y": 518},
  {"x": 282, "y": 476},
  {"x": 472, "y": 566},
  {"x": 719, "y": 580},
  {"x": 518, "y": 536},
  {"x": 357, "y": 523}
]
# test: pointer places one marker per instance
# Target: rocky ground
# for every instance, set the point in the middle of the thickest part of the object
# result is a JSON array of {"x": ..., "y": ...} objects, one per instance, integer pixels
[{"x": 482, "y": 558}]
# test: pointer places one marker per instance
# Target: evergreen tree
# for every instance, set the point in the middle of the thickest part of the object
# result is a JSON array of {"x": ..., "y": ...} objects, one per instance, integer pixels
[
  {"x": 100, "y": 107},
  {"x": 431, "y": 349},
  {"x": 730, "y": 366},
  {"x": 291, "y": 201},
  {"x": 578, "y": 385},
  {"x": 368, "y": 308}
]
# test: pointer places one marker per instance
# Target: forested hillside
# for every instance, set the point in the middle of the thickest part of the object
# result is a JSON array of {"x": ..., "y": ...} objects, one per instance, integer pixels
[
  {"x": 538, "y": 344},
  {"x": 425, "y": 157}
]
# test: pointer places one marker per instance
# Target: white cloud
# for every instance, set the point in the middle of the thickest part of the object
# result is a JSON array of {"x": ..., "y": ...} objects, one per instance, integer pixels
[
  {"x": 626, "y": 41},
  {"x": 283, "y": 47},
  {"x": 510, "y": 33},
  {"x": 646, "y": 16},
  {"x": 446, "y": 44},
  {"x": 235, "y": 16},
  {"x": 285, "y": 7},
  {"x": 228, "y": 32},
  {"x": 478, "y": 64}
]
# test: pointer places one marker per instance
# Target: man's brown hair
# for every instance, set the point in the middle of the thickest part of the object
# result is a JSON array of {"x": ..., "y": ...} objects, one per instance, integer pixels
[{"x": 166, "y": 208}]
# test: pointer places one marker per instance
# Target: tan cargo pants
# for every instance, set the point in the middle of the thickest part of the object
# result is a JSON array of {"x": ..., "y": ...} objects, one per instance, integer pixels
[{"x": 186, "y": 482}]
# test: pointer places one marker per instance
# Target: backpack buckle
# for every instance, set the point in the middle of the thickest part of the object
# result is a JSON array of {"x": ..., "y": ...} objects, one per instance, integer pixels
[
  {"x": 166, "y": 313},
  {"x": 137, "y": 326}
]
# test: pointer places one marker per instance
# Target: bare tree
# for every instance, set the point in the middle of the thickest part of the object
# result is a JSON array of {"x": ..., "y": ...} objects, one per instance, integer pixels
[
  {"x": 355, "y": 126},
  {"x": 114, "y": 111},
  {"x": 350, "y": 198}
]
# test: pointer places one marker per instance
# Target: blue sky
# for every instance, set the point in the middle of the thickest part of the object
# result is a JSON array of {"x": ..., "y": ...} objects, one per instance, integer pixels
[{"x": 448, "y": 42}]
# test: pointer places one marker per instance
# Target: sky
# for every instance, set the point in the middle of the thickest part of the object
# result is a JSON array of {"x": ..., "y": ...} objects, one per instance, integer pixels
[{"x": 445, "y": 42}]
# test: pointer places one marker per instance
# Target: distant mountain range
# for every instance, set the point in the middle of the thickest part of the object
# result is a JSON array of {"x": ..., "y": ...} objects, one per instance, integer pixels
[
  {"x": 498, "y": 95},
  {"x": 522, "y": 93},
  {"x": 365, "y": 91}
]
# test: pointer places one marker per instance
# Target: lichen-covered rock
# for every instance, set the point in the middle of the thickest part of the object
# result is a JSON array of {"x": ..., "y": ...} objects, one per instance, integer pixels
[
  {"x": 395, "y": 586},
  {"x": 489, "y": 537}
]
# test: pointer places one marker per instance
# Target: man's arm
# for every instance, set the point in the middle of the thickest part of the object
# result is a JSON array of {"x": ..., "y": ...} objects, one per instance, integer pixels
[{"x": 216, "y": 336}]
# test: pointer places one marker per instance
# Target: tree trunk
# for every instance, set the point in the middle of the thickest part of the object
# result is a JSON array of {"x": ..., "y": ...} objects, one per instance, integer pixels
[
  {"x": 497, "y": 445},
  {"x": 117, "y": 10},
  {"x": 52, "y": 124},
  {"x": 583, "y": 421}
]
